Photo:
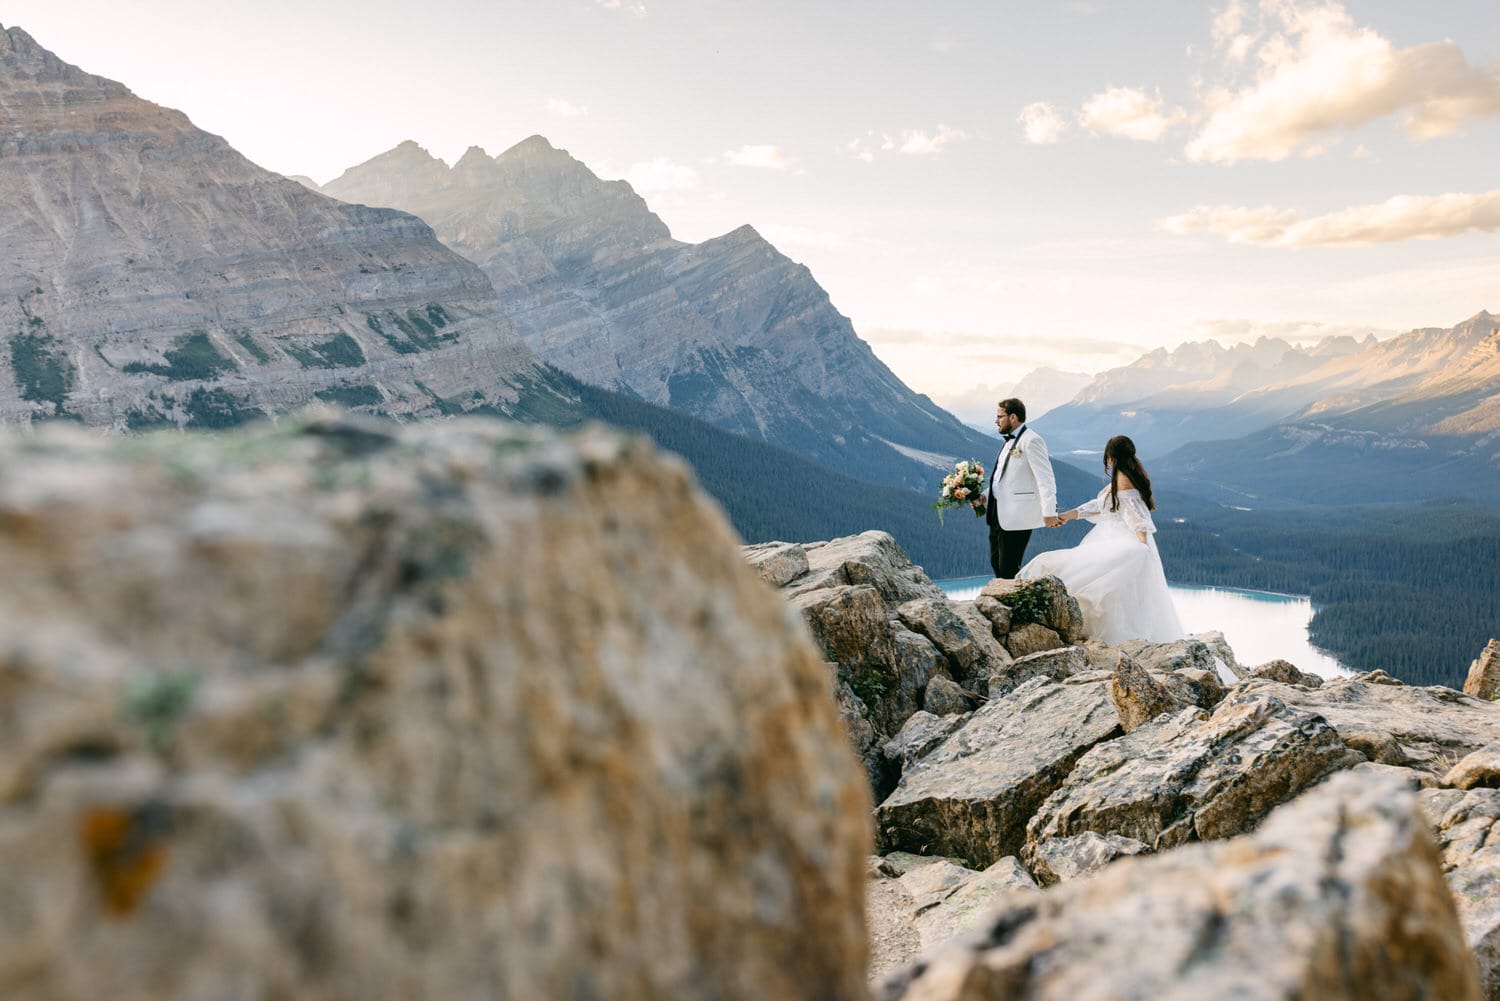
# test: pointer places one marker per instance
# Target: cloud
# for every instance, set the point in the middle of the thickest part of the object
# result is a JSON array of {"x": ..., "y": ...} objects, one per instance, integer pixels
[
  {"x": 921, "y": 144},
  {"x": 1319, "y": 74},
  {"x": 1041, "y": 123},
  {"x": 636, "y": 7},
  {"x": 1128, "y": 113},
  {"x": 567, "y": 109},
  {"x": 767, "y": 157},
  {"x": 660, "y": 174},
  {"x": 1404, "y": 217}
]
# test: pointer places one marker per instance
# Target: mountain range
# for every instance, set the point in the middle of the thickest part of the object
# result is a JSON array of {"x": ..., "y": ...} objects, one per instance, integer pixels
[
  {"x": 1344, "y": 421},
  {"x": 729, "y": 330},
  {"x": 153, "y": 275}
]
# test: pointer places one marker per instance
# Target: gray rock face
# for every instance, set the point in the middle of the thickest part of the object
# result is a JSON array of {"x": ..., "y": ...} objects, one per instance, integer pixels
[
  {"x": 1480, "y": 769},
  {"x": 729, "y": 330},
  {"x": 1483, "y": 681},
  {"x": 1287, "y": 673},
  {"x": 972, "y": 796},
  {"x": 1138, "y": 697},
  {"x": 1464, "y": 823},
  {"x": 1424, "y": 728},
  {"x": 328, "y": 712},
  {"x": 1059, "y": 859},
  {"x": 779, "y": 563},
  {"x": 152, "y": 275},
  {"x": 1339, "y": 896},
  {"x": 894, "y": 640},
  {"x": 1194, "y": 776},
  {"x": 1059, "y": 664}
]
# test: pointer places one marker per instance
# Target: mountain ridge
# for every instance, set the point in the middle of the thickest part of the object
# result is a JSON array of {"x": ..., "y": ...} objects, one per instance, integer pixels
[
  {"x": 729, "y": 330},
  {"x": 157, "y": 276}
]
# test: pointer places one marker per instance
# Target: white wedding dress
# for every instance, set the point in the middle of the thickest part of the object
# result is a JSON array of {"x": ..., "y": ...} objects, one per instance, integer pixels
[{"x": 1119, "y": 583}]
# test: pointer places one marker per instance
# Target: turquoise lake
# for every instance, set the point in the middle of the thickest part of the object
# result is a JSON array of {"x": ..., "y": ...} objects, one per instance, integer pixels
[{"x": 1259, "y": 625}]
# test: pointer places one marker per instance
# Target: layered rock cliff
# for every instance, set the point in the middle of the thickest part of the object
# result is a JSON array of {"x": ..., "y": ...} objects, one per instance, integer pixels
[
  {"x": 151, "y": 274},
  {"x": 729, "y": 330}
]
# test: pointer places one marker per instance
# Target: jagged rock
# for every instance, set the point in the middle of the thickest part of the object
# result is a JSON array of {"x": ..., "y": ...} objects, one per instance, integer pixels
[
  {"x": 779, "y": 563},
  {"x": 1227, "y": 667},
  {"x": 1424, "y": 728},
  {"x": 1058, "y": 664},
  {"x": 153, "y": 275},
  {"x": 1138, "y": 697},
  {"x": 896, "y": 864},
  {"x": 1033, "y": 637},
  {"x": 1058, "y": 859},
  {"x": 1193, "y": 776},
  {"x": 345, "y": 709},
  {"x": 862, "y": 736},
  {"x": 1338, "y": 897},
  {"x": 1043, "y": 600},
  {"x": 870, "y": 558},
  {"x": 948, "y": 900},
  {"x": 1193, "y": 686},
  {"x": 1479, "y": 770},
  {"x": 996, "y": 612},
  {"x": 1191, "y": 652},
  {"x": 946, "y": 697},
  {"x": 922, "y": 731},
  {"x": 1286, "y": 672},
  {"x": 936, "y": 619},
  {"x": 1465, "y": 827},
  {"x": 1483, "y": 681},
  {"x": 972, "y": 796},
  {"x": 982, "y": 632}
]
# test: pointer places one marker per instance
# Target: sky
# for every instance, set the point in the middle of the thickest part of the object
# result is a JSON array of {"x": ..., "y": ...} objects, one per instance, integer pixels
[{"x": 983, "y": 186}]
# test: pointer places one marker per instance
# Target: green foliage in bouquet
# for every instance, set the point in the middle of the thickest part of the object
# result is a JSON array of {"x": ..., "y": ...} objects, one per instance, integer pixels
[{"x": 960, "y": 487}]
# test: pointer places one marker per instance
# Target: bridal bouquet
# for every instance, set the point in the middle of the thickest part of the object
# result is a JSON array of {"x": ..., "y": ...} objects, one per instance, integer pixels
[{"x": 960, "y": 487}]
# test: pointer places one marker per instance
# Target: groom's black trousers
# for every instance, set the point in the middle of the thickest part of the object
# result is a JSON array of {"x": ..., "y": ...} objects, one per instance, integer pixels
[{"x": 1007, "y": 550}]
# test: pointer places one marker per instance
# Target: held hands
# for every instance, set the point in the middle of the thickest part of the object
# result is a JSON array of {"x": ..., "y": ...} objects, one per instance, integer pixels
[{"x": 1052, "y": 521}]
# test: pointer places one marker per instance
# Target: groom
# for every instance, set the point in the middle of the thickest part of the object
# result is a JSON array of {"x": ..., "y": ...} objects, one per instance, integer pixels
[{"x": 1022, "y": 494}]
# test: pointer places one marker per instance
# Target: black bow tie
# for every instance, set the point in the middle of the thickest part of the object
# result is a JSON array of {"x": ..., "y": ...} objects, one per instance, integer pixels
[{"x": 1010, "y": 437}]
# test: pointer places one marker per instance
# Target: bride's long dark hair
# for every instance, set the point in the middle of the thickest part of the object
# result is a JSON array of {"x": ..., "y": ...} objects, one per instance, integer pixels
[{"x": 1119, "y": 456}]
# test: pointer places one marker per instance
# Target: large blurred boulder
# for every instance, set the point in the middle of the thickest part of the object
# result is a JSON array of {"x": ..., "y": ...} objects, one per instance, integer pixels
[
  {"x": 972, "y": 796},
  {"x": 1339, "y": 897},
  {"x": 1194, "y": 776},
  {"x": 343, "y": 710}
]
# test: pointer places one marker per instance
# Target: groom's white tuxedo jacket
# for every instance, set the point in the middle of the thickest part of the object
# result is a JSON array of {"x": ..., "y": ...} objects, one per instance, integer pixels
[{"x": 1023, "y": 491}]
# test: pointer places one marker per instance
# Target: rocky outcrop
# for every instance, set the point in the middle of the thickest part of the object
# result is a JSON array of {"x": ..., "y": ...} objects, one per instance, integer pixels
[
  {"x": 1339, "y": 896},
  {"x": 153, "y": 275},
  {"x": 1464, "y": 823},
  {"x": 1478, "y": 770},
  {"x": 1287, "y": 673},
  {"x": 350, "y": 710},
  {"x": 729, "y": 330},
  {"x": 1138, "y": 697},
  {"x": 1426, "y": 728},
  {"x": 1058, "y": 859},
  {"x": 972, "y": 796},
  {"x": 1483, "y": 681},
  {"x": 1194, "y": 776}
]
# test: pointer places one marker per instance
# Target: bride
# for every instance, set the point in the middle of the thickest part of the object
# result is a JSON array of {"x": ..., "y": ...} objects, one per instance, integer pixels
[{"x": 1116, "y": 572}]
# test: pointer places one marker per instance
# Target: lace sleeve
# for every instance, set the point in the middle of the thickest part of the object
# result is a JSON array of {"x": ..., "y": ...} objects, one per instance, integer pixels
[
  {"x": 1136, "y": 514},
  {"x": 1089, "y": 510}
]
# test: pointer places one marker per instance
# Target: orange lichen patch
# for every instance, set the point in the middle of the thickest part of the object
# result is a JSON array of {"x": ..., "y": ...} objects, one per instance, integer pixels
[{"x": 126, "y": 850}]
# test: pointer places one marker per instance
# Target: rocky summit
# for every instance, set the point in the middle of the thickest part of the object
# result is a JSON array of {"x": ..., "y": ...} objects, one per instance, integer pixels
[
  {"x": 729, "y": 330},
  {"x": 153, "y": 275},
  {"x": 1062, "y": 819},
  {"x": 345, "y": 710}
]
